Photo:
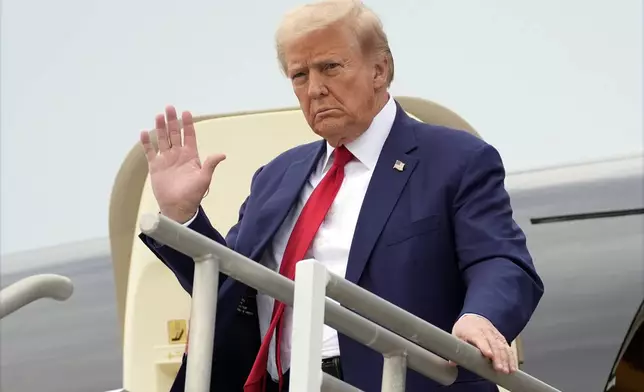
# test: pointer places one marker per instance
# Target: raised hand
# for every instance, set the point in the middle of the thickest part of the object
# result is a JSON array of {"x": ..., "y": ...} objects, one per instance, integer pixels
[{"x": 179, "y": 180}]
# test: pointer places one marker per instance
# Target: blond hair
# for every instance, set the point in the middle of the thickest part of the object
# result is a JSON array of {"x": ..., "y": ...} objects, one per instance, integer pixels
[{"x": 360, "y": 19}]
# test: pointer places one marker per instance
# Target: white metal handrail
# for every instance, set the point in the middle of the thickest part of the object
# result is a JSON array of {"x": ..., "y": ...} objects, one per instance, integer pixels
[
  {"x": 32, "y": 288},
  {"x": 425, "y": 334},
  {"x": 397, "y": 347},
  {"x": 204, "y": 293}
]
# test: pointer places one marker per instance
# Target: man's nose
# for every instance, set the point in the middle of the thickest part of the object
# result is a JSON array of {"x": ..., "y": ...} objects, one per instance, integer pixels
[{"x": 317, "y": 85}]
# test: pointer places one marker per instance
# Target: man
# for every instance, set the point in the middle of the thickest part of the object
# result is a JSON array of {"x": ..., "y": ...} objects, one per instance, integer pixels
[{"x": 415, "y": 213}]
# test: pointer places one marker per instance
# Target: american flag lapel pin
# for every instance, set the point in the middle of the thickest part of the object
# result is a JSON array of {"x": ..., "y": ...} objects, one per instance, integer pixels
[{"x": 400, "y": 166}]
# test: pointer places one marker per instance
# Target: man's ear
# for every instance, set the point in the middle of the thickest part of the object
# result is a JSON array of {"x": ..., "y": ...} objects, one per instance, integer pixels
[{"x": 380, "y": 72}]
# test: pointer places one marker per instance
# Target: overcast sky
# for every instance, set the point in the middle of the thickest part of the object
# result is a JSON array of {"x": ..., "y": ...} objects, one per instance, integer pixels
[{"x": 546, "y": 82}]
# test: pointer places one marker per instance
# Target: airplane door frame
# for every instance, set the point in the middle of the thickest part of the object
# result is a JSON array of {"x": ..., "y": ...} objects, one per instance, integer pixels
[{"x": 636, "y": 325}]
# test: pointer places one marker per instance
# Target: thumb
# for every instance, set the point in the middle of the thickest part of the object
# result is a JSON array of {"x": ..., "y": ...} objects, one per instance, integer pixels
[{"x": 211, "y": 163}]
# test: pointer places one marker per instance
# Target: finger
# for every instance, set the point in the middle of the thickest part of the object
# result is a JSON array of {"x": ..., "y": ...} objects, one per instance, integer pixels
[
  {"x": 500, "y": 350},
  {"x": 162, "y": 133},
  {"x": 148, "y": 149},
  {"x": 482, "y": 343},
  {"x": 509, "y": 357},
  {"x": 211, "y": 163},
  {"x": 189, "y": 134},
  {"x": 174, "y": 130},
  {"x": 514, "y": 361}
]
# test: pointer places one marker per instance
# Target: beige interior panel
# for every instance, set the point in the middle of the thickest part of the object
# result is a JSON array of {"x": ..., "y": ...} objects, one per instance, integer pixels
[{"x": 152, "y": 307}]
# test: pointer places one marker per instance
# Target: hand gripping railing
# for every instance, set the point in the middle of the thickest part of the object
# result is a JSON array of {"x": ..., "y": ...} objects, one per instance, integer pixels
[
  {"x": 32, "y": 288},
  {"x": 405, "y": 341}
]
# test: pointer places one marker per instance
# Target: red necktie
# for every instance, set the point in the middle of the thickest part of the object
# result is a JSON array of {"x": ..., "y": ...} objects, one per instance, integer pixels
[{"x": 298, "y": 244}]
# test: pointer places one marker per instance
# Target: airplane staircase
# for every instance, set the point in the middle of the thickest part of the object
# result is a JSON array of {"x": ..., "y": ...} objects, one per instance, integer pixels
[{"x": 404, "y": 340}]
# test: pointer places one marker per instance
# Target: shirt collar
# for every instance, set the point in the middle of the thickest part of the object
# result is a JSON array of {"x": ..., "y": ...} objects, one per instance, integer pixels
[{"x": 366, "y": 148}]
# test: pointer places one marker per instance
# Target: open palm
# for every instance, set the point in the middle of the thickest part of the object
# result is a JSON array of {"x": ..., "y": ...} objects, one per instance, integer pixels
[{"x": 179, "y": 180}]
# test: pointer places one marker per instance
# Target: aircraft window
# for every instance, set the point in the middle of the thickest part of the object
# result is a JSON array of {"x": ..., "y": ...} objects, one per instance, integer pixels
[{"x": 587, "y": 215}]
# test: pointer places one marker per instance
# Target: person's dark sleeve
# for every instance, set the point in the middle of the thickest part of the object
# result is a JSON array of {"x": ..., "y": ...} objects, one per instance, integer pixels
[
  {"x": 502, "y": 283},
  {"x": 183, "y": 266}
]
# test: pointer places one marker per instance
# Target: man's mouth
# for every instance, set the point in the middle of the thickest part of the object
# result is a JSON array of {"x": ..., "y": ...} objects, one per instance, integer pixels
[{"x": 324, "y": 112}]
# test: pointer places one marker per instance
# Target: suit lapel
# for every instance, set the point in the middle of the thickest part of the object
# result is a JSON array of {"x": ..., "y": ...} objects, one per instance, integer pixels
[
  {"x": 270, "y": 216},
  {"x": 387, "y": 183},
  {"x": 275, "y": 209}
]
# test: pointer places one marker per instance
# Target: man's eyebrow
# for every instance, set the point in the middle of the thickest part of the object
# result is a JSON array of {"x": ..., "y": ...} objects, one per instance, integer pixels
[
  {"x": 330, "y": 60},
  {"x": 320, "y": 63},
  {"x": 295, "y": 68}
]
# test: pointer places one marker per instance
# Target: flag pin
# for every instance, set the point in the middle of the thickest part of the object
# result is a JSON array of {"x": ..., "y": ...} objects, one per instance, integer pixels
[{"x": 400, "y": 166}]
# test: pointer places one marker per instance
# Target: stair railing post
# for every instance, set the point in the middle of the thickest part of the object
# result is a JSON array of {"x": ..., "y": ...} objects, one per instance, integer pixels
[
  {"x": 203, "y": 312},
  {"x": 394, "y": 373},
  {"x": 308, "y": 322}
]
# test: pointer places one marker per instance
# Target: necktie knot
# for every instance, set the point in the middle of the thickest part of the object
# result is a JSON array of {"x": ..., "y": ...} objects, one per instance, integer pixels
[{"x": 342, "y": 156}]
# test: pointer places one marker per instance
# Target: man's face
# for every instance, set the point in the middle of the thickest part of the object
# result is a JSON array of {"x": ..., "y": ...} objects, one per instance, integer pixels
[{"x": 338, "y": 88}]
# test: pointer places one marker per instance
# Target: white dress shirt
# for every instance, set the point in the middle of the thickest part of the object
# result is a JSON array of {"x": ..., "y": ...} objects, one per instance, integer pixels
[{"x": 332, "y": 242}]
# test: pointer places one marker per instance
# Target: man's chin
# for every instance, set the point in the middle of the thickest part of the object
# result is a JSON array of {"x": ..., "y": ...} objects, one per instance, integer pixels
[
  {"x": 329, "y": 130},
  {"x": 329, "y": 125}
]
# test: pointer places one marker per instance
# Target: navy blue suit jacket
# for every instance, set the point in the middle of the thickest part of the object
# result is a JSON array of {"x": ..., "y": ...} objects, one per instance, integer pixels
[{"x": 437, "y": 239}]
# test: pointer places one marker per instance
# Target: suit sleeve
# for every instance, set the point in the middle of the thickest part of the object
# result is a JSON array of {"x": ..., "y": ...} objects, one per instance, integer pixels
[
  {"x": 502, "y": 283},
  {"x": 183, "y": 266}
]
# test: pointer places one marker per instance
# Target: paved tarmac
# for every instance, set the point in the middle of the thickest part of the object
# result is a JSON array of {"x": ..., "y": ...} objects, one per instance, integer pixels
[{"x": 71, "y": 346}]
